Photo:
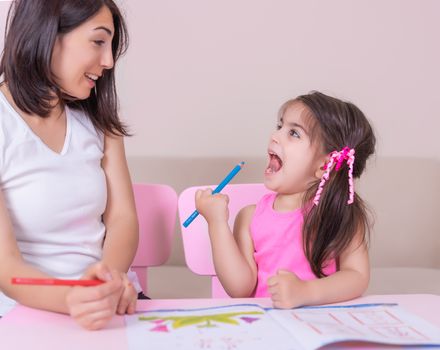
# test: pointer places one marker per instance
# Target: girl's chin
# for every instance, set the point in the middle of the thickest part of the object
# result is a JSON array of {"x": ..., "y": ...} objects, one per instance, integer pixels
[{"x": 270, "y": 181}]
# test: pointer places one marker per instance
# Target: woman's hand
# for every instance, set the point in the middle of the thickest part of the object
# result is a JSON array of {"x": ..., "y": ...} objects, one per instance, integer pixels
[
  {"x": 93, "y": 307},
  {"x": 127, "y": 302},
  {"x": 287, "y": 290},
  {"x": 213, "y": 207}
]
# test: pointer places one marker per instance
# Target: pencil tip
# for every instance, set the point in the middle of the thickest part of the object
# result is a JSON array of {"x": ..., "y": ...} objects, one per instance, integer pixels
[{"x": 241, "y": 163}]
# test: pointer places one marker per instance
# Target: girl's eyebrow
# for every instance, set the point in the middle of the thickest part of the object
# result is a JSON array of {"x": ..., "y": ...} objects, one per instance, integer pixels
[
  {"x": 295, "y": 125},
  {"x": 108, "y": 31}
]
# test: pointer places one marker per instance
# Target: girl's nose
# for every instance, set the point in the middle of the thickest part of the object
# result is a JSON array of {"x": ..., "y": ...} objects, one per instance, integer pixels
[{"x": 274, "y": 136}]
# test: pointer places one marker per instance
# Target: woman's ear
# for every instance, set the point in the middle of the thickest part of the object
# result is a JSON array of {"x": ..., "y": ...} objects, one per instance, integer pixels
[{"x": 322, "y": 166}]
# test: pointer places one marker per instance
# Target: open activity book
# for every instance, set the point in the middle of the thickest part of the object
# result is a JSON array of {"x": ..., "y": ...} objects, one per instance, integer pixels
[{"x": 249, "y": 326}]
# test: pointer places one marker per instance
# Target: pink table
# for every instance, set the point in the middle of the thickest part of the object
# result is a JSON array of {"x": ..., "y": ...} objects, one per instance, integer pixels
[{"x": 26, "y": 328}]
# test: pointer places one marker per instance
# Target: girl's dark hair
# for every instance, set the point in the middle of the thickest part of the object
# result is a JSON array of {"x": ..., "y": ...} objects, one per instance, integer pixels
[
  {"x": 330, "y": 226},
  {"x": 31, "y": 29}
]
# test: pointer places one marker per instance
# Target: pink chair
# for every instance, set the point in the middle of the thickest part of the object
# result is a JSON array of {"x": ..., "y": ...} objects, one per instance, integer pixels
[
  {"x": 156, "y": 207},
  {"x": 196, "y": 243}
]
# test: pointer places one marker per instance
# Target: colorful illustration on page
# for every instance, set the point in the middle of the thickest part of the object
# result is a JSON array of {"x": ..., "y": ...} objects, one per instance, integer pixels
[{"x": 168, "y": 323}]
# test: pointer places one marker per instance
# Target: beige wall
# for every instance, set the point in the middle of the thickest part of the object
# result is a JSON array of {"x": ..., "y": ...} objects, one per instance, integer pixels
[{"x": 204, "y": 79}]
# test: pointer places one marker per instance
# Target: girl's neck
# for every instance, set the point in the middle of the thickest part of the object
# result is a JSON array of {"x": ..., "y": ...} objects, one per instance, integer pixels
[{"x": 288, "y": 202}]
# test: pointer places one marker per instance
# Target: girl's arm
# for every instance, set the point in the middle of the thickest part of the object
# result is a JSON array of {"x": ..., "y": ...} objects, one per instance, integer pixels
[
  {"x": 122, "y": 231},
  {"x": 349, "y": 282},
  {"x": 232, "y": 253},
  {"x": 91, "y": 307}
]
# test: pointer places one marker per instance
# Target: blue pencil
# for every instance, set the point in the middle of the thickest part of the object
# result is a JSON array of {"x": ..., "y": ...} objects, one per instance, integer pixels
[{"x": 221, "y": 185}]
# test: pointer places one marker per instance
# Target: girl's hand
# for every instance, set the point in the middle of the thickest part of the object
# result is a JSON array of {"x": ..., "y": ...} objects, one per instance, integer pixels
[
  {"x": 127, "y": 302},
  {"x": 213, "y": 207},
  {"x": 287, "y": 290},
  {"x": 93, "y": 307}
]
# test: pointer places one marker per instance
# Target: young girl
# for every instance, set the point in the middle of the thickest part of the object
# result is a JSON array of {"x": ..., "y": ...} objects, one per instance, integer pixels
[
  {"x": 306, "y": 243},
  {"x": 66, "y": 201}
]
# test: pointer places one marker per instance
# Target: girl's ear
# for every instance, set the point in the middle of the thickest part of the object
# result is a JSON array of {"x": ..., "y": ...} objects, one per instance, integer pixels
[{"x": 322, "y": 162}]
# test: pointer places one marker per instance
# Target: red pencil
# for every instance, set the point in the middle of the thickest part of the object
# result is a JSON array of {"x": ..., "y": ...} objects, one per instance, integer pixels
[{"x": 55, "y": 282}]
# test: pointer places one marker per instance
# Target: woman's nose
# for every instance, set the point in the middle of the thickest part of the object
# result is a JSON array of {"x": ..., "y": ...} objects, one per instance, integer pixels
[{"x": 107, "y": 61}]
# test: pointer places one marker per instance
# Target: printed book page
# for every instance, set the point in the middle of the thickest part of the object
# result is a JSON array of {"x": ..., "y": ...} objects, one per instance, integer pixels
[
  {"x": 248, "y": 326},
  {"x": 386, "y": 324},
  {"x": 238, "y": 327}
]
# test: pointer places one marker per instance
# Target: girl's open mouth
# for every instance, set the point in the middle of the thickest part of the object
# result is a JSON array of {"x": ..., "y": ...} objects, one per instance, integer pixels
[{"x": 275, "y": 163}]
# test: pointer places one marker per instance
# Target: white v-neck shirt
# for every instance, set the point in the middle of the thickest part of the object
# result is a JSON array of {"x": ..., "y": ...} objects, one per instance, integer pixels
[{"x": 55, "y": 200}]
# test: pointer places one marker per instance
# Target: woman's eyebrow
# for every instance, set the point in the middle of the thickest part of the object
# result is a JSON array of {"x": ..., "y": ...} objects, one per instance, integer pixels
[{"x": 108, "y": 31}]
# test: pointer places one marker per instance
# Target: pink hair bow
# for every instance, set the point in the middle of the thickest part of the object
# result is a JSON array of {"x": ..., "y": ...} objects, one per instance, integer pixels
[{"x": 346, "y": 154}]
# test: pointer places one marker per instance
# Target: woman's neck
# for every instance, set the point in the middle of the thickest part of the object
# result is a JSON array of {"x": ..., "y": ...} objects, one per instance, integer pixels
[{"x": 54, "y": 114}]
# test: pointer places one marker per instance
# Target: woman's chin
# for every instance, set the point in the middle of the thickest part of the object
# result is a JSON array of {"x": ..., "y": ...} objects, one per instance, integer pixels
[{"x": 82, "y": 96}]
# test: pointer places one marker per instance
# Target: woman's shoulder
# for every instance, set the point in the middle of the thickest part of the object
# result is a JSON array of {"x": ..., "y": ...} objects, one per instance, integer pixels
[
  {"x": 81, "y": 117},
  {"x": 81, "y": 122},
  {"x": 9, "y": 123}
]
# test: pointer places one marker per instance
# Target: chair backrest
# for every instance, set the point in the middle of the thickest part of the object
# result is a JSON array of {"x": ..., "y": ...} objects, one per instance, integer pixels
[
  {"x": 196, "y": 243},
  {"x": 156, "y": 207}
]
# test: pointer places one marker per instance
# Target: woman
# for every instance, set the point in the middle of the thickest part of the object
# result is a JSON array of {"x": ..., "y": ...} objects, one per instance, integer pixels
[{"x": 66, "y": 201}]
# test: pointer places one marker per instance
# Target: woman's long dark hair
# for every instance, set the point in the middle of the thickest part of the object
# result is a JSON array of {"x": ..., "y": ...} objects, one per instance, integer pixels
[
  {"x": 330, "y": 226},
  {"x": 31, "y": 30}
]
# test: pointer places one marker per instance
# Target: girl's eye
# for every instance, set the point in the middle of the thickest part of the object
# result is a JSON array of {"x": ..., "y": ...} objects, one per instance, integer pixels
[
  {"x": 279, "y": 126},
  {"x": 294, "y": 133},
  {"x": 99, "y": 42}
]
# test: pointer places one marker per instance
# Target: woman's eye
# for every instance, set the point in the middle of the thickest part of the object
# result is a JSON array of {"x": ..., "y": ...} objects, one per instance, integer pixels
[
  {"x": 294, "y": 133},
  {"x": 99, "y": 42},
  {"x": 279, "y": 126}
]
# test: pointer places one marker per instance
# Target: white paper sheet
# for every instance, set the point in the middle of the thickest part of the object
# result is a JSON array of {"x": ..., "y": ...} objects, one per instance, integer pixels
[
  {"x": 247, "y": 326},
  {"x": 228, "y": 327},
  {"x": 386, "y": 324}
]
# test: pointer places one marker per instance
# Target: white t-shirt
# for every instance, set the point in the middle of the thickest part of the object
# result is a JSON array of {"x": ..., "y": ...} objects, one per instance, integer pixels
[{"x": 55, "y": 200}]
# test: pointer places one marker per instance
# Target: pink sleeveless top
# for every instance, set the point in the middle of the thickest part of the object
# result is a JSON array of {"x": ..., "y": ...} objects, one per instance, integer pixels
[{"x": 277, "y": 238}]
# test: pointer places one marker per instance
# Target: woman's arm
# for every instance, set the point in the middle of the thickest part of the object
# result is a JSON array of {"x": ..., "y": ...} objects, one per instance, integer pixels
[
  {"x": 12, "y": 265},
  {"x": 122, "y": 231},
  {"x": 232, "y": 254},
  {"x": 349, "y": 282},
  {"x": 91, "y": 307}
]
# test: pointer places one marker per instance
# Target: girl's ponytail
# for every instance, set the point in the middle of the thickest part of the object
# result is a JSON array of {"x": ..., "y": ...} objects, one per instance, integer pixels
[
  {"x": 333, "y": 212},
  {"x": 330, "y": 225}
]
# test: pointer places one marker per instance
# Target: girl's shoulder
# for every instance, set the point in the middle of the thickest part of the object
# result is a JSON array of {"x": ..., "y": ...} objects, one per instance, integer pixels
[
  {"x": 244, "y": 217},
  {"x": 265, "y": 202},
  {"x": 247, "y": 211}
]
